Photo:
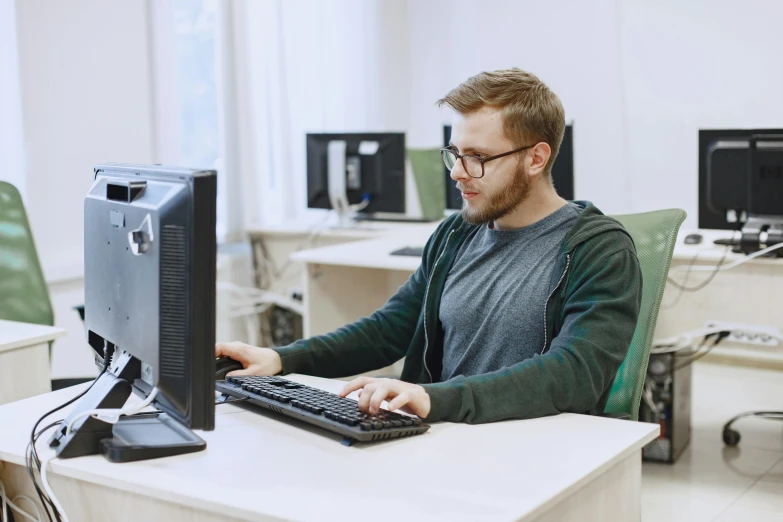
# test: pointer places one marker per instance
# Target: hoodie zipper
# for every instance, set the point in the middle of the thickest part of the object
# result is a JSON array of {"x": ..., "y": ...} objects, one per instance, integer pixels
[
  {"x": 426, "y": 295},
  {"x": 562, "y": 276}
]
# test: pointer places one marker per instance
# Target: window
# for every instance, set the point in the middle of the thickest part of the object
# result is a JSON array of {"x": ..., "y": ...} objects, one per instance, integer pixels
[
  {"x": 187, "y": 111},
  {"x": 11, "y": 141}
]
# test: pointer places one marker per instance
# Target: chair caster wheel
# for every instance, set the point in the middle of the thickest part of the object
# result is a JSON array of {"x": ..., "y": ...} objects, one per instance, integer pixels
[{"x": 731, "y": 437}]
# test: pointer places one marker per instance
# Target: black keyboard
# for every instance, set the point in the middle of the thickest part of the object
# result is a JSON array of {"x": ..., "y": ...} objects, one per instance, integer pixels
[
  {"x": 323, "y": 409},
  {"x": 409, "y": 251}
]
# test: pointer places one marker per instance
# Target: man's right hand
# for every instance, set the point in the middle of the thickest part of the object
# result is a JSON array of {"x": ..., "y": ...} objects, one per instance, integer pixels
[{"x": 256, "y": 361}]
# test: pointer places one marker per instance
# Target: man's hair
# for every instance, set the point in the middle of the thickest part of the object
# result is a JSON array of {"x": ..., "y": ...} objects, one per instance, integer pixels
[{"x": 531, "y": 112}]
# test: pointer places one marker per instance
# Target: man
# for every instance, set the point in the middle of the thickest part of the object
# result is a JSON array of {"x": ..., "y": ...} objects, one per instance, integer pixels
[{"x": 524, "y": 304}]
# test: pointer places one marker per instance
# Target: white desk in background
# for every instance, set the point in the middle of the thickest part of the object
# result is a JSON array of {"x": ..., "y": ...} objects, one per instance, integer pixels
[
  {"x": 345, "y": 282},
  {"x": 565, "y": 468},
  {"x": 747, "y": 294},
  {"x": 24, "y": 359},
  {"x": 277, "y": 242}
]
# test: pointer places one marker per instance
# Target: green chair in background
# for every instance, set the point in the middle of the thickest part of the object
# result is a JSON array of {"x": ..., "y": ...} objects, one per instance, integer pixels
[
  {"x": 428, "y": 174},
  {"x": 24, "y": 295},
  {"x": 654, "y": 234}
]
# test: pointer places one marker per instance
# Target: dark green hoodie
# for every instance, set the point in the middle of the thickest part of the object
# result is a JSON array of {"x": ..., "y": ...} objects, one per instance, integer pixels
[{"x": 589, "y": 320}]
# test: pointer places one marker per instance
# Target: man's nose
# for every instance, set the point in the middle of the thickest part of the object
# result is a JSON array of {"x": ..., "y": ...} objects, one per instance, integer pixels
[{"x": 458, "y": 172}]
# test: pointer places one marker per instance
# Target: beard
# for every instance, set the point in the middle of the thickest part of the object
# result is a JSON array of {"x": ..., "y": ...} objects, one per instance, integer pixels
[{"x": 500, "y": 201}]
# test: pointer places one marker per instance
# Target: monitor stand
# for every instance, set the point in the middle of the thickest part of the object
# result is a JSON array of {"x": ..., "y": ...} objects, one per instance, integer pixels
[
  {"x": 138, "y": 437},
  {"x": 762, "y": 230}
]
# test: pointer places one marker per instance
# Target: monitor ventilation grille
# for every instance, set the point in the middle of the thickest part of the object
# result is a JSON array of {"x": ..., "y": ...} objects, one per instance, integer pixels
[{"x": 173, "y": 301}]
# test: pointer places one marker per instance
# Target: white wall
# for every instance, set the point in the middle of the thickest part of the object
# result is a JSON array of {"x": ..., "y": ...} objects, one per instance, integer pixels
[
  {"x": 688, "y": 66},
  {"x": 638, "y": 78},
  {"x": 84, "y": 68},
  {"x": 571, "y": 45}
]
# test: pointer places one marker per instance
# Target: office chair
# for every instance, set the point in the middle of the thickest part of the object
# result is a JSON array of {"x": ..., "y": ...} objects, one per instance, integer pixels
[
  {"x": 732, "y": 437},
  {"x": 654, "y": 234},
  {"x": 24, "y": 295}
]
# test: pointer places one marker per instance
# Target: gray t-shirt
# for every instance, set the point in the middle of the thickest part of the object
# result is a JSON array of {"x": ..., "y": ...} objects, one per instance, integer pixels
[{"x": 492, "y": 307}]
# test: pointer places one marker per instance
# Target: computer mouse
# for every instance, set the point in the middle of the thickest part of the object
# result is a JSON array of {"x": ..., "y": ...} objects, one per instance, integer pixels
[
  {"x": 223, "y": 365},
  {"x": 693, "y": 239}
]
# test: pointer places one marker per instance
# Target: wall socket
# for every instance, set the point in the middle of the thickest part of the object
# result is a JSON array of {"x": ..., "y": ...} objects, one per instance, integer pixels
[{"x": 757, "y": 335}]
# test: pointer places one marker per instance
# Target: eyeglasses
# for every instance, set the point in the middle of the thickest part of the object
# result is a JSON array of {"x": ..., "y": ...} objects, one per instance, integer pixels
[{"x": 473, "y": 165}]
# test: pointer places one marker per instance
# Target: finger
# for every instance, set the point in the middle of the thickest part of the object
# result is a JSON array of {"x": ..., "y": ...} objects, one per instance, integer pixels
[
  {"x": 241, "y": 373},
  {"x": 354, "y": 385},
  {"x": 364, "y": 400},
  {"x": 377, "y": 398},
  {"x": 399, "y": 401},
  {"x": 226, "y": 350}
]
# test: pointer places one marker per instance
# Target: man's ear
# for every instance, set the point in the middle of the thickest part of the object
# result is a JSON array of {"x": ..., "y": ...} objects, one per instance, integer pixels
[{"x": 539, "y": 156}]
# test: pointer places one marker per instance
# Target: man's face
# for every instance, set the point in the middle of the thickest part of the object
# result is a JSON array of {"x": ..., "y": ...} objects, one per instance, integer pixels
[{"x": 505, "y": 184}]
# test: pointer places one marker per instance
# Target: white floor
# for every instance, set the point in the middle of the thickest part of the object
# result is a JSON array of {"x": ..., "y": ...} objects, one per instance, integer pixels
[{"x": 713, "y": 483}]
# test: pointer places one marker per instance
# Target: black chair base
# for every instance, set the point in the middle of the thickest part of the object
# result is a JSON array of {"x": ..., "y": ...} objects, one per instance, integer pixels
[{"x": 732, "y": 437}]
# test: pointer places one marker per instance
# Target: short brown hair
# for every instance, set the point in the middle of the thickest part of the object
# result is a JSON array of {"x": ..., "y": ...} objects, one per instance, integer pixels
[{"x": 531, "y": 112}]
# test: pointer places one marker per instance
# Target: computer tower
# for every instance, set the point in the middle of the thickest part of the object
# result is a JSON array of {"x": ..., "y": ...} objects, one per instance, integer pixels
[{"x": 667, "y": 402}]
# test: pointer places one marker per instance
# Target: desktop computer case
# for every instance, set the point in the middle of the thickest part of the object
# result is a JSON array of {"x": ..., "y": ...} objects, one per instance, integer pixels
[{"x": 671, "y": 395}]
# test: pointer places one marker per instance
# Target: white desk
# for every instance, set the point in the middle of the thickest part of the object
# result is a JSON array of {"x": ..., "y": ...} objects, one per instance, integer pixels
[
  {"x": 748, "y": 294},
  {"x": 345, "y": 282},
  {"x": 273, "y": 245},
  {"x": 564, "y": 468},
  {"x": 24, "y": 359}
]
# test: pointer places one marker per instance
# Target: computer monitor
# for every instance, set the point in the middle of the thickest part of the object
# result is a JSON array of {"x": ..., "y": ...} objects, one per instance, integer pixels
[
  {"x": 149, "y": 282},
  {"x": 723, "y": 195},
  {"x": 357, "y": 173},
  {"x": 562, "y": 170},
  {"x": 744, "y": 185}
]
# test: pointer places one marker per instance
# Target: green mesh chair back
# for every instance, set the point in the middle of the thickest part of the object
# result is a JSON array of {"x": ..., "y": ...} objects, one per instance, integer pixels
[
  {"x": 24, "y": 295},
  {"x": 654, "y": 234}
]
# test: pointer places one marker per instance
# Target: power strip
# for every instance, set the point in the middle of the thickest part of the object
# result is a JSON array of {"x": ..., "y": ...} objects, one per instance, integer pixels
[{"x": 752, "y": 334}]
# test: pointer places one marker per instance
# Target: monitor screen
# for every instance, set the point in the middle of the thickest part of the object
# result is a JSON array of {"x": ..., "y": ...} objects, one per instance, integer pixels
[
  {"x": 375, "y": 169},
  {"x": 724, "y": 171}
]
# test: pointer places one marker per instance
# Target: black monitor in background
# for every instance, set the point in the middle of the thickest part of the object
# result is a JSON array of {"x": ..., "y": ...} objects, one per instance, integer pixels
[
  {"x": 562, "y": 170},
  {"x": 149, "y": 283},
  {"x": 724, "y": 195},
  {"x": 374, "y": 171},
  {"x": 744, "y": 186},
  {"x": 453, "y": 197}
]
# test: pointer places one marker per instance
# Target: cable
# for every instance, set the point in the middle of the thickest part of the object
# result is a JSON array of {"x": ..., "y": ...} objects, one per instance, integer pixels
[
  {"x": 6, "y": 503},
  {"x": 45, "y": 481},
  {"x": 32, "y": 503},
  {"x": 112, "y": 415},
  {"x": 722, "y": 335},
  {"x": 735, "y": 264},
  {"x": 33, "y": 437},
  {"x": 313, "y": 233},
  {"x": 682, "y": 287},
  {"x": 682, "y": 341},
  {"x": 31, "y": 461}
]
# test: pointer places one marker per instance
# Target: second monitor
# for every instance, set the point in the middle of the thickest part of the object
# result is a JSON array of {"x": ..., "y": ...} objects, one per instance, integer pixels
[{"x": 361, "y": 175}]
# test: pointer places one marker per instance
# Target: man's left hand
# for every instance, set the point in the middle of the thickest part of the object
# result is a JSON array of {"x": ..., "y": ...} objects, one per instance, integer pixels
[{"x": 411, "y": 398}]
